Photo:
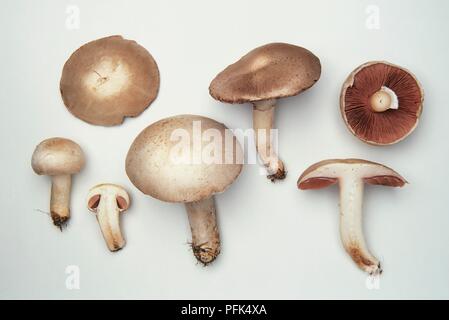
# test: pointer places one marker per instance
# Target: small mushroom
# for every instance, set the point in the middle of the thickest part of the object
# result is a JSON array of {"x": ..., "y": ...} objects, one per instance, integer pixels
[
  {"x": 169, "y": 169},
  {"x": 261, "y": 77},
  {"x": 381, "y": 103},
  {"x": 351, "y": 175},
  {"x": 59, "y": 158},
  {"x": 107, "y": 201},
  {"x": 109, "y": 79}
]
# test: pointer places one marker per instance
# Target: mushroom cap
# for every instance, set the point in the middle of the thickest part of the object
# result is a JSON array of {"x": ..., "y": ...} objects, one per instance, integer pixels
[
  {"x": 271, "y": 71},
  {"x": 381, "y": 128},
  {"x": 108, "y": 190},
  {"x": 155, "y": 165},
  {"x": 108, "y": 79},
  {"x": 328, "y": 172},
  {"x": 57, "y": 156}
]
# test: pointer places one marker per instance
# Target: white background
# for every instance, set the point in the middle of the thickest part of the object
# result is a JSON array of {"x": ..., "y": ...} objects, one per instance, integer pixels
[{"x": 278, "y": 242}]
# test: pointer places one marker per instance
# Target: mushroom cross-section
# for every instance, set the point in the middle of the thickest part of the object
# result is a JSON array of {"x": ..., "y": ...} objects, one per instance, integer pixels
[
  {"x": 187, "y": 159},
  {"x": 109, "y": 79},
  {"x": 107, "y": 201},
  {"x": 59, "y": 158},
  {"x": 351, "y": 175},
  {"x": 261, "y": 77},
  {"x": 381, "y": 103}
]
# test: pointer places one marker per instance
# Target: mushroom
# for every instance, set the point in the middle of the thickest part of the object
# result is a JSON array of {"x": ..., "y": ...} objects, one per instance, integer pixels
[
  {"x": 261, "y": 77},
  {"x": 107, "y": 201},
  {"x": 351, "y": 175},
  {"x": 59, "y": 158},
  {"x": 381, "y": 103},
  {"x": 176, "y": 170},
  {"x": 108, "y": 79}
]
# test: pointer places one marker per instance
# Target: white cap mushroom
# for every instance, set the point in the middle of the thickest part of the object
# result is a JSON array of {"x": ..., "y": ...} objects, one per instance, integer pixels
[
  {"x": 351, "y": 175},
  {"x": 59, "y": 158},
  {"x": 151, "y": 167},
  {"x": 107, "y": 201}
]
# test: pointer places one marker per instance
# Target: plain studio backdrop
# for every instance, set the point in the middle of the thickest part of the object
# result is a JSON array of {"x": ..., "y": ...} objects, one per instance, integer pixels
[{"x": 277, "y": 242}]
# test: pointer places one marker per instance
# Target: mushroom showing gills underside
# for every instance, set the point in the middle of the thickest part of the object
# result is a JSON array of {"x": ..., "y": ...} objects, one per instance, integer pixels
[
  {"x": 261, "y": 77},
  {"x": 381, "y": 103},
  {"x": 108, "y": 201},
  {"x": 59, "y": 158},
  {"x": 168, "y": 168},
  {"x": 351, "y": 175},
  {"x": 109, "y": 79}
]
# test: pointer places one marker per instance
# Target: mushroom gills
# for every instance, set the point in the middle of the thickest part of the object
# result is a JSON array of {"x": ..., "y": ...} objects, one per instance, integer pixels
[
  {"x": 204, "y": 228},
  {"x": 381, "y": 103}
]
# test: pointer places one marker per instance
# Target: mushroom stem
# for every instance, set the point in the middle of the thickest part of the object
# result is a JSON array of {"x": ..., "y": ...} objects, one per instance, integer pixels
[
  {"x": 384, "y": 99},
  {"x": 205, "y": 234},
  {"x": 108, "y": 218},
  {"x": 351, "y": 229},
  {"x": 60, "y": 199},
  {"x": 263, "y": 118}
]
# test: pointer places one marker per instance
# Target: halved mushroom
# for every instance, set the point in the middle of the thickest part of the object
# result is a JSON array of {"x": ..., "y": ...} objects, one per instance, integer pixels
[
  {"x": 59, "y": 158},
  {"x": 262, "y": 76},
  {"x": 107, "y": 201},
  {"x": 351, "y": 175},
  {"x": 187, "y": 159},
  {"x": 381, "y": 103},
  {"x": 109, "y": 79}
]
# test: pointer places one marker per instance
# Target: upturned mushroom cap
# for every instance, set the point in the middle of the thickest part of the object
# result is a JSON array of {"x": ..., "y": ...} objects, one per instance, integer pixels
[
  {"x": 328, "y": 172},
  {"x": 153, "y": 167},
  {"x": 108, "y": 79},
  {"x": 272, "y": 71},
  {"x": 57, "y": 156},
  {"x": 390, "y": 126}
]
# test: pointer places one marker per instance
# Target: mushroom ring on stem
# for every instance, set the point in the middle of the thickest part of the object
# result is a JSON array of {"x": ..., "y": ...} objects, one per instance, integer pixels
[
  {"x": 107, "y": 201},
  {"x": 261, "y": 77},
  {"x": 59, "y": 158},
  {"x": 351, "y": 175},
  {"x": 381, "y": 103},
  {"x": 187, "y": 159},
  {"x": 109, "y": 79}
]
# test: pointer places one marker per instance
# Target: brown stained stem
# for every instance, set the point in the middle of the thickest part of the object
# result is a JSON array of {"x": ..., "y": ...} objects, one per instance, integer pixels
[
  {"x": 205, "y": 234},
  {"x": 60, "y": 199}
]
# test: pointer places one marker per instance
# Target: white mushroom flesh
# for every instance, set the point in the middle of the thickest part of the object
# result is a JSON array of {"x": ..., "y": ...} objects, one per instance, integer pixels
[
  {"x": 384, "y": 99},
  {"x": 351, "y": 177},
  {"x": 108, "y": 201}
]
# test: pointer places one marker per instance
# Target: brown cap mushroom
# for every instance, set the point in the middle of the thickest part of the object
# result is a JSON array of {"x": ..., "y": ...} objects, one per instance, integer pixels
[
  {"x": 59, "y": 158},
  {"x": 174, "y": 160},
  {"x": 107, "y": 201},
  {"x": 351, "y": 175},
  {"x": 381, "y": 103},
  {"x": 262, "y": 76},
  {"x": 109, "y": 79}
]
